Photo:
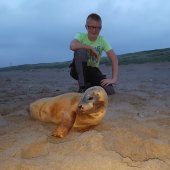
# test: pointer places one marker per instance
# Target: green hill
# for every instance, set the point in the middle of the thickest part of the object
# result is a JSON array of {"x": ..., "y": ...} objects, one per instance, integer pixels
[{"x": 158, "y": 55}]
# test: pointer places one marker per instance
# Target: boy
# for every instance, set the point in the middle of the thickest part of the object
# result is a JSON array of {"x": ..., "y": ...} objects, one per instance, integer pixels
[{"x": 87, "y": 49}]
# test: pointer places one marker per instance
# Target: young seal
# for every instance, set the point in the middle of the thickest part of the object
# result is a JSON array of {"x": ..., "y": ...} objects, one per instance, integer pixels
[{"x": 81, "y": 111}]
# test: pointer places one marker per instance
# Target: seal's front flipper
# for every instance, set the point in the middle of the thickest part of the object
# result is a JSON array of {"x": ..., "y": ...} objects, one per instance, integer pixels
[
  {"x": 60, "y": 132},
  {"x": 65, "y": 125}
]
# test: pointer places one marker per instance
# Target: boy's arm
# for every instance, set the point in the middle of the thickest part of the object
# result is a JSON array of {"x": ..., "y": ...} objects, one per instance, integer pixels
[
  {"x": 112, "y": 56},
  {"x": 75, "y": 45}
]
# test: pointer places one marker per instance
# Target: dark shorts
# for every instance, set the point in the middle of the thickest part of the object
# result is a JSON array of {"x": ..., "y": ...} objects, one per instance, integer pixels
[{"x": 94, "y": 76}]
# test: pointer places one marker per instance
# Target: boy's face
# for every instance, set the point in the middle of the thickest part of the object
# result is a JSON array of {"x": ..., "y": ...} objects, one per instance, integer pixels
[{"x": 93, "y": 28}]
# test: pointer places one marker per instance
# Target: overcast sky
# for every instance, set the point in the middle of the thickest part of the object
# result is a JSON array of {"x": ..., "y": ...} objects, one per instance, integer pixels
[{"x": 40, "y": 31}]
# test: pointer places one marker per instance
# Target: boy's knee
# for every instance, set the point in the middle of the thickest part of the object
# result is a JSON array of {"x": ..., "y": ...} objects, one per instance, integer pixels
[
  {"x": 80, "y": 52},
  {"x": 81, "y": 55}
]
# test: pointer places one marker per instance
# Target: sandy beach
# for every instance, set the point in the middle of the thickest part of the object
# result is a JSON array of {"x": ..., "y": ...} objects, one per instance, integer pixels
[{"x": 134, "y": 135}]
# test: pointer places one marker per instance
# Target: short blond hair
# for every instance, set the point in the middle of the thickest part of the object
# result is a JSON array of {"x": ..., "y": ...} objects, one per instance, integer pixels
[{"x": 95, "y": 17}]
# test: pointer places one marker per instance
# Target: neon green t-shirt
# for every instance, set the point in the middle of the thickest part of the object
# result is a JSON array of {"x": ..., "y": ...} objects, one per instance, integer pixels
[{"x": 100, "y": 44}]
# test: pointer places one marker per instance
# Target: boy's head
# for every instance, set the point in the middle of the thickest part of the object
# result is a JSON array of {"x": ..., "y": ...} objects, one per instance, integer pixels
[{"x": 93, "y": 26}]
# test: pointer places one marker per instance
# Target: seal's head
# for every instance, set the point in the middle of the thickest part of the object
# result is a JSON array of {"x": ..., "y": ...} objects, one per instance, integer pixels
[{"x": 94, "y": 99}]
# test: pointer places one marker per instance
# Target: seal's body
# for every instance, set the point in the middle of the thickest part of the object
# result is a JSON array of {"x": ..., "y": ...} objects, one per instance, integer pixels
[{"x": 68, "y": 110}]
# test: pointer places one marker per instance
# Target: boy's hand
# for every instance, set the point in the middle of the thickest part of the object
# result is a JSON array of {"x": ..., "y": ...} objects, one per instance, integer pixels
[
  {"x": 93, "y": 52},
  {"x": 106, "y": 82}
]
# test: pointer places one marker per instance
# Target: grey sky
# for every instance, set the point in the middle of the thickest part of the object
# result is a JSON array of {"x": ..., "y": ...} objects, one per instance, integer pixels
[{"x": 39, "y": 31}]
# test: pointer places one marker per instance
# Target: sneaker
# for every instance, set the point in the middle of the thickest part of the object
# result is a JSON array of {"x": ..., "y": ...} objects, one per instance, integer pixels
[{"x": 109, "y": 89}]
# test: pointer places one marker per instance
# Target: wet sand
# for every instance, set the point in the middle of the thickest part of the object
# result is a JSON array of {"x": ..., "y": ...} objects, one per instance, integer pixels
[{"x": 134, "y": 135}]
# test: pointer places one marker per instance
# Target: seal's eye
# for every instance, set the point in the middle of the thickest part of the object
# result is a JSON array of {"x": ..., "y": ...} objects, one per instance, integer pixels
[{"x": 90, "y": 98}]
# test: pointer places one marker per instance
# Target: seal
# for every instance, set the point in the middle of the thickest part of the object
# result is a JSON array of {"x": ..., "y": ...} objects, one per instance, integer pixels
[{"x": 81, "y": 111}]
